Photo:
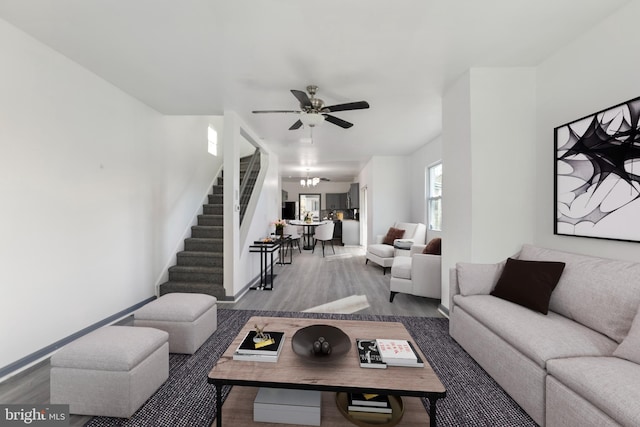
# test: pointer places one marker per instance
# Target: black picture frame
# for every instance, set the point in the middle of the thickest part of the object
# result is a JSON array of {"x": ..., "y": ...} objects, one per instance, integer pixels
[{"x": 597, "y": 174}]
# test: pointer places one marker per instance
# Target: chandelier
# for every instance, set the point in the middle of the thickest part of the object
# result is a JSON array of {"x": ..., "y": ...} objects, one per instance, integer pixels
[{"x": 309, "y": 182}]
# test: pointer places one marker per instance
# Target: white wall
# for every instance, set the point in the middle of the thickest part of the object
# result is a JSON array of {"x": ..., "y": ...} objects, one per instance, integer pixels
[
  {"x": 388, "y": 201},
  {"x": 97, "y": 190},
  {"x": 503, "y": 173},
  {"x": 488, "y": 172},
  {"x": 243, "y": 267},
  {"x": 456, "y": 178},
  {"x": 595, "y": 71},
  {"x": 419, "y": 162}
]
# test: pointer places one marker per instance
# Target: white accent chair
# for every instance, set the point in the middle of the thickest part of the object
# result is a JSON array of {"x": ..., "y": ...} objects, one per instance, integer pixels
[
  {"x": 383, "y": 255},
  {"x": 418, "y": 274},
  {"x": 324, "y": 233},
  {"x": 295, "y": 232}
]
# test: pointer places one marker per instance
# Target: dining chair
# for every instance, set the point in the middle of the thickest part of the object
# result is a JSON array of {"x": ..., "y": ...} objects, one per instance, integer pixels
[
  {"x": 324, "y": 233},
  {"x": 294, "y": 232}
]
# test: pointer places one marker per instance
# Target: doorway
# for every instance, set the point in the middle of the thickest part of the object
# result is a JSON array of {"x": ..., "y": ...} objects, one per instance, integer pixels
[
  {"x": 309, "y": 203},
  {"x": 363, "y": 217}
]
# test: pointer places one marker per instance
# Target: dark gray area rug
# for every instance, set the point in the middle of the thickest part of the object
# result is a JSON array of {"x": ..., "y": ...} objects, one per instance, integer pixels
[{"x": 187, "y": 399}]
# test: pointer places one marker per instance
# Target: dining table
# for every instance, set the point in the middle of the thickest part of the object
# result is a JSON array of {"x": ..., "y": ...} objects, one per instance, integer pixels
[{"x": 308, "y": 231}]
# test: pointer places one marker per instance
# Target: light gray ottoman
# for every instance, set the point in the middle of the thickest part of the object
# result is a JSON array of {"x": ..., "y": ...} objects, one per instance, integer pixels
[
  {"x": 188, "y": 318},
  {"x": 111, "y": 371}
]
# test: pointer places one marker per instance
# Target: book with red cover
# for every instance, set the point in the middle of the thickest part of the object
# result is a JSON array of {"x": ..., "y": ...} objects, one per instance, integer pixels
[{"x": 399, "y": 353}]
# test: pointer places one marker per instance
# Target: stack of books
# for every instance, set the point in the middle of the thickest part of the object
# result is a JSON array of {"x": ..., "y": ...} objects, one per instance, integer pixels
[
  {"x": 369, "y": 407},
  {"x": 380, "y": 353},
  {"x": 399, "y": 353},
  {"x": 251, "y": 349}
]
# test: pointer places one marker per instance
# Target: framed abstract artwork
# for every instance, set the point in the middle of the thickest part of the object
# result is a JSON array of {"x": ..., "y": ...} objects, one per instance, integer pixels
[{"x": 597, "y": 174}]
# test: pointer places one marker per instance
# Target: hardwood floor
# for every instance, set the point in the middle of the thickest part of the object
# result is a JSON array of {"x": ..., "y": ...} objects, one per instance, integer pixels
[
  {"x": 312, "y": 280},
  {"x": 309, "y": 281}
]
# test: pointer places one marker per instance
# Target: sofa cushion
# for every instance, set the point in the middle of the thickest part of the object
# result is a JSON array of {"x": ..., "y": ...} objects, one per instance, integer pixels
[
  {"x": 434, "y": 247},
  {"x": 478, "y": 279},
  {"x": 393, "y": 234},
  {"x": 630, "y": 348},
  {"x": 540, "y": 337},
  {"x": 401, "y": 267},
  {"x": 600, "y": 293},
  {"x": 608, "y": 383},
  {"x": 383, "y": 251},
  {"x": 528, "y": 283}
]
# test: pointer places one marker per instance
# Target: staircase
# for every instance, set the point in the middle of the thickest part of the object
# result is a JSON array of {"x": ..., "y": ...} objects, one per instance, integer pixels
[
  {"x": 199, "y": 267},
  {"x": 249, "y": 170}
]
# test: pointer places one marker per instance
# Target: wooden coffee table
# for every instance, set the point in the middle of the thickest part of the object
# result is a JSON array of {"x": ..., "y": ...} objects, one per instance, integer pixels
[{"x": 344, "y": 374}]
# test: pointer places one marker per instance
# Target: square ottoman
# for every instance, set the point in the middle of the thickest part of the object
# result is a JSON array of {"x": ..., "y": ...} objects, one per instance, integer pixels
[
  {"x": 111, "y": 371},
  {"x": 188, "y": 318}
]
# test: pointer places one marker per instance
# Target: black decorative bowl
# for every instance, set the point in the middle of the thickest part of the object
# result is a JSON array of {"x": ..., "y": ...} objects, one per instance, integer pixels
[{"x": 303, "y": 339}]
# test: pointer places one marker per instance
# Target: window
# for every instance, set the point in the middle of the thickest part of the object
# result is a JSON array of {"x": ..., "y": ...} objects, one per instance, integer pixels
[
  {"x": 212, "y": 136},
  {"x": 434, "y": 201}
]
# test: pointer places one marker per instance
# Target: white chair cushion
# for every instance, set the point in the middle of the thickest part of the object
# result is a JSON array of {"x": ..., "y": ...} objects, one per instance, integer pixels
[
  {"x": 408, "y": 227},
  {"x": 401, "y": 267},
  {"x": 381, "y": 250}
]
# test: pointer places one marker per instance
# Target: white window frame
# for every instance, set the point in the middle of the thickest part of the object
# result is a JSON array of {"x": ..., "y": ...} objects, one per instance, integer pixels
[
  {"x": 212, "y": 138},
  {"x": 434, "y": 197}
]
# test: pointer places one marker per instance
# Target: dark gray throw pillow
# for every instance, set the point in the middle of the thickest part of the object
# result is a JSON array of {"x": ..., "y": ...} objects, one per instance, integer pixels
[{"x": 529, "y": 283}]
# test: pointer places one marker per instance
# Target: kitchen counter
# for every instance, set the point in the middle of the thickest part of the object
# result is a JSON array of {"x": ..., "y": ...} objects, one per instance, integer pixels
[{"x": 350, "y": 232}]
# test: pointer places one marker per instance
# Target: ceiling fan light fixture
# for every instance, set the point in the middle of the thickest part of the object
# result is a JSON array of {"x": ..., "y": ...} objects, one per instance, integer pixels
[
  {"x": 311, "y": 119},
  {"x": 309, "y": 182}
]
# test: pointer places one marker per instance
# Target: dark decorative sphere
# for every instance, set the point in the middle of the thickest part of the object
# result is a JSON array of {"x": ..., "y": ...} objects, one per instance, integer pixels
[{"x": 321, "y": 347}]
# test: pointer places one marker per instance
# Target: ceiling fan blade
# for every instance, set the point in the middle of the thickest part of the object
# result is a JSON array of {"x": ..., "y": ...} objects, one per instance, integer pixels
[
  {"x": 336, "y": 121},
  {"x": 360, "y": 105},
  {"x": 302, "y": 97},
  {"x": 296, "y": 125},
  {"x": 275, "y": 111}
]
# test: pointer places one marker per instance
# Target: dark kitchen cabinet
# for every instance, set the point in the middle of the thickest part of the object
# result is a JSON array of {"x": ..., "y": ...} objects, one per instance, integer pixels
[
  {"x": 354, "y": 196},
  {"x": 336, "y": 201}
]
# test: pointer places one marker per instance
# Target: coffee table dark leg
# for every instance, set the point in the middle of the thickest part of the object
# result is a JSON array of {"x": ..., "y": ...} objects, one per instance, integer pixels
[
  {"x": 219, "y": 405},
  {"x": 432, "y": 411}
]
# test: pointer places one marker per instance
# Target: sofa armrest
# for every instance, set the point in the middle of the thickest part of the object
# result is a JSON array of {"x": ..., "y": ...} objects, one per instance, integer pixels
[
  {"x": 417, "y": 249},
  {"x": 426, "y": 274},
  {"x": 454, "y": 287}
]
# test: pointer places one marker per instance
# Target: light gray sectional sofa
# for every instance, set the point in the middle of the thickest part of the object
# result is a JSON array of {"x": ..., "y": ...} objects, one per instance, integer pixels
[{"x": 577, "y": 365}]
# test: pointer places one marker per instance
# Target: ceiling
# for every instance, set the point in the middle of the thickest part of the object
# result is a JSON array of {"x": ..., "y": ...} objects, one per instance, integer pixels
[{"x": 203, "y": 57}]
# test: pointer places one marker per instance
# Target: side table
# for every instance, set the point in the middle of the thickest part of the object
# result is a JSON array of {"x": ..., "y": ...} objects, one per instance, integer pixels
[{"x": 265, "y": 249}]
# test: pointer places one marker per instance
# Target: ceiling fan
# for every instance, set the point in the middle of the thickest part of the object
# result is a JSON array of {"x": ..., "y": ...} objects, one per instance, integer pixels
[{"x": 313, "y": 111}]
